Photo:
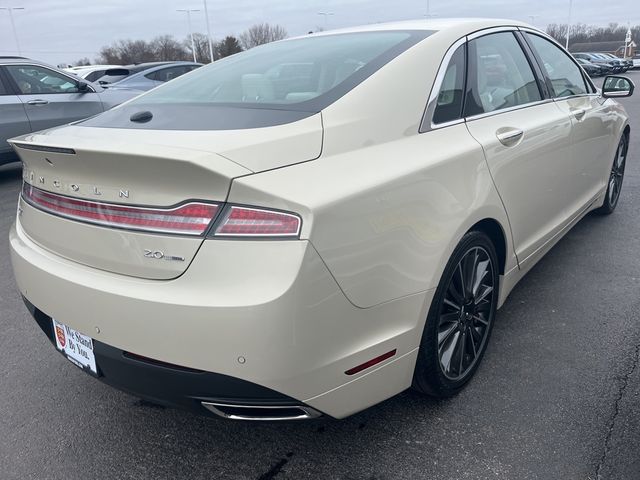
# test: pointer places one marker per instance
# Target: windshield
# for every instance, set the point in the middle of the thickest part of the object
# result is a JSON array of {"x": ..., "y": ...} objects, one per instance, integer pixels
[{"x": 289, "y": 74}]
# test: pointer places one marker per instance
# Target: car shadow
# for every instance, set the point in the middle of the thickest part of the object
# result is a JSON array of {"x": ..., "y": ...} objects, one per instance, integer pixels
[{"x": 10, "y": 172}]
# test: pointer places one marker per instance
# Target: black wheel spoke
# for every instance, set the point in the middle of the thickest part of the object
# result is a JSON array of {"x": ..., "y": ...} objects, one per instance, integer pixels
[
  {"x": 448, "y": 351},
  {"x": 445, "y": 334},
  {"x": 480, "y": 320},
  {"x": 461, "y": 346},
  {"x": 472, "y": 340}
]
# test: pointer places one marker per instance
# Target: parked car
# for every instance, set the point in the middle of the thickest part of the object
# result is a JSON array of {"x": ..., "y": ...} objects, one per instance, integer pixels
[
  {"x": 35, "y": 96},
  {"x": 598, "y": 60},
  {"x": 114, "y": 75},
  {"x": 592, "y": 69},
  {"x": 152, "y": 77},
  {"x": 262, "y": 247},
  {"x": 636, "y": 61},
  {"x": 91, "y": 73},
  {"x": 621, "y": 61}
]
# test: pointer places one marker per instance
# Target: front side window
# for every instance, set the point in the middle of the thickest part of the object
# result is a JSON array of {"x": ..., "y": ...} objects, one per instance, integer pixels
[
  {"x": 451, "y": 95},
  {"x": 501, "y": 76},
  {"x": 34, "y": 79},
  {"x": 565, "y": 76}
]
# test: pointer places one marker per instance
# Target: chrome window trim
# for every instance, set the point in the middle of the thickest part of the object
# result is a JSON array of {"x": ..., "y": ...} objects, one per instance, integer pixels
[
  {"x": 427, "y": 116},
  {"x": 73, "y": 78},
  {"x": 489, "y": 31},
  {"x": 509, "y": 109},
  {"x": 586, "y": 77}
]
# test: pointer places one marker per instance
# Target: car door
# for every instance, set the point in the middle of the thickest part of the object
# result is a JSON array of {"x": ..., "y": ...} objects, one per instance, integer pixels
[
  {"x": 525, "y": 137},
  {"x": 51, "y": 98},
  {"x": 13, "y": 117},
  {"x": 592, "y": 144}
]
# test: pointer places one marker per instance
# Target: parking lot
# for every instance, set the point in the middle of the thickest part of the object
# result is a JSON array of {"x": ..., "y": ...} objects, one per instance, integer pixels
[{"x": 557, "y": 395}]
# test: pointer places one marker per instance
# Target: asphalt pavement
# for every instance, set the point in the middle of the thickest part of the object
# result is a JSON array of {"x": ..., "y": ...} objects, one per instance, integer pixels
[{"x": 557, "y": 395}]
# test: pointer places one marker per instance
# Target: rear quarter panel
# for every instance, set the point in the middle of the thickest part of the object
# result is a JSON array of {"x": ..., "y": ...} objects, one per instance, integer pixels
[
  {"x": 385, "y": 205},
  {"x": 386, "y": 218}
]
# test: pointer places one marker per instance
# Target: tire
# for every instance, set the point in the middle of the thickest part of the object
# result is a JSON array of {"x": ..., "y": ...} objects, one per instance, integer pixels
[
  {"x": 442, "y": 368},
  {"x": 616, "y": 176}
]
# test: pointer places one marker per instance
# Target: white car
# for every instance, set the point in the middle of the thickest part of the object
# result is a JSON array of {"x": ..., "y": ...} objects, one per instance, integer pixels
[
  {"x": 91, "y": 73},
  {"x": 314, "y": 225}
]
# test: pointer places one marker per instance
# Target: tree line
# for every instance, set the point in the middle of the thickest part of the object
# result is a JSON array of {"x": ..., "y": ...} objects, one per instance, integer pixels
[
  {"x": 167, "y": 47},
  {"x": 582, "y": 33}
]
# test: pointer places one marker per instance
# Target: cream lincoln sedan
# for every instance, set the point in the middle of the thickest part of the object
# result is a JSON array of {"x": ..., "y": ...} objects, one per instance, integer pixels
[{"x": 317, "y": 224}]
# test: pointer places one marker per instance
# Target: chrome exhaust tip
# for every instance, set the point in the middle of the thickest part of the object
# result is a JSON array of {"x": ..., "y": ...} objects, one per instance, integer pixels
[{"x": 263, "y": 413}]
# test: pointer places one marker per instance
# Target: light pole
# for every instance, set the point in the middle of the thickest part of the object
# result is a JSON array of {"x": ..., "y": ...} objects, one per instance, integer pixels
[
  {"x": 193, "y": 43},
  {"x": 326, "y": 17},
  {"x": 206, "y": 17},
  {"x": 533, "y": 18},
  {"x": 568, "y": 25},
  {"x": 13, "y": 25}
]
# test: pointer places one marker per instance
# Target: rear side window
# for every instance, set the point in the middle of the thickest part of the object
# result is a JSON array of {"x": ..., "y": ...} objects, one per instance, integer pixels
[
  {"x": 93, "y": 76},
  {"x": 565, "y": 76},
  {"x": 451, "y": 95},
  {"x": 500, "y": 75},
  {"x": 166, "y": 74}
]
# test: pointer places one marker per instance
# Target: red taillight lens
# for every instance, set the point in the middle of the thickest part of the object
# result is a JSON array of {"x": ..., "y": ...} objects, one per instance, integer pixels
[
  {"x": 257, "y": 222},
  {"x": 189, "y": 219}
]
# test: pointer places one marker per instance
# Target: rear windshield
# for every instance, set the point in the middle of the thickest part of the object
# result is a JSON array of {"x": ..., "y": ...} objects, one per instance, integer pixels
[{"x": 289, "y": 73}]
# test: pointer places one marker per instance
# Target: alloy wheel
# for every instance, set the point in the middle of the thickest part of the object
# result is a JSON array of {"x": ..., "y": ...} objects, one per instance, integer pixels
[
  {"x": 465, "y": 314},
  {"x": 617, "y": 173}
]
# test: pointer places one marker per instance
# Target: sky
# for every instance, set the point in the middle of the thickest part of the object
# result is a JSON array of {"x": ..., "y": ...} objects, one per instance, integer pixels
[{"x": 61, "y": 31}]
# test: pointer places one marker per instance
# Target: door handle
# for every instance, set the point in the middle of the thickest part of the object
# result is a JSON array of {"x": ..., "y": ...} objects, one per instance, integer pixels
[
  {"x": 509, "y": 136},
  {"x": 38, "y": 102},
  {"x": 578, "y": 112}
]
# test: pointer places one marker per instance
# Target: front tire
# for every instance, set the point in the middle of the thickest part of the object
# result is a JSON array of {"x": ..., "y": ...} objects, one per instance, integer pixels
[
  {"x": 460, "y": 318},
  {"x": 614, "y": 187}
]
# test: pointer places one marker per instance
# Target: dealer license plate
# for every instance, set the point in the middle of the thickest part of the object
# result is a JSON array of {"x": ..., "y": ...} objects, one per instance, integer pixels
[{"x": 78, "y": 348}]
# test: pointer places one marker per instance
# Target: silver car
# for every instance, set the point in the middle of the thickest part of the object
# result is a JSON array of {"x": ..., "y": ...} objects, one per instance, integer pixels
[{"x": 35, "y": 96}]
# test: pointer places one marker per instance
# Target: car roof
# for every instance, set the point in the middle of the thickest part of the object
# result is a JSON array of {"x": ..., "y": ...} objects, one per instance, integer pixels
[
  {"x": 146, "y": 71},
  {"x": 10, "y": 59},
  {"x": 431, "y": 24}
]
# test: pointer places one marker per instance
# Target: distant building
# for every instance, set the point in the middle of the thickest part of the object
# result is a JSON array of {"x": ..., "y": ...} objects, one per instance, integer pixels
[{"x": 617, "y": 48}]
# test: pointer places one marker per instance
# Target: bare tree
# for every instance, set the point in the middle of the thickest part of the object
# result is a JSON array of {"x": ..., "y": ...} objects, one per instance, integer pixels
[
  {"x": 165, "y": 48},
  {"x": 260, "y": 34},
  {"x": 82, "y": 62},
  {"x": 581, "y": 33},
  {"x": 123, "y": 52},
  {"x": 201, "y": 43}
]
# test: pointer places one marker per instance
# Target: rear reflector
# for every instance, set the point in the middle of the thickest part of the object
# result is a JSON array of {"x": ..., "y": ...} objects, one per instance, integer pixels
[
  {"x": 188, "y": 219},
  {"x": 371, "y": 363},
  {"x": 257, "y": 222}
]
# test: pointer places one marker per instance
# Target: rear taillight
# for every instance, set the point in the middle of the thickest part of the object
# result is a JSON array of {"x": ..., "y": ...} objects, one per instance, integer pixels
[
  {"x": 191, "y": 218},
  {"x": 257, "y": 222}
]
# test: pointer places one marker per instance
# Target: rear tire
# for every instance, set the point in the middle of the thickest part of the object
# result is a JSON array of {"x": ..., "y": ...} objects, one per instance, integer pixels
[
  {"x": 460, "y": 318},
  {"x": 616, "y": 176}
]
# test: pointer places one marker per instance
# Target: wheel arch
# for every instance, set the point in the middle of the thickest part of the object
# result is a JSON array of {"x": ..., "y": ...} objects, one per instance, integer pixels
[{"x": 493, "y": 229}]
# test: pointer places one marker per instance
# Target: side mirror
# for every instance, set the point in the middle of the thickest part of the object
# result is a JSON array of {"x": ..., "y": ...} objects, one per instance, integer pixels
[
  {"x": 615, "y": 87},
  {"x": 83, "y": 87}
]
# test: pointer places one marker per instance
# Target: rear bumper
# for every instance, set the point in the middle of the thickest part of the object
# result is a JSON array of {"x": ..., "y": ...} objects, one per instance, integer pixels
[
  {"x": 171, "y": 385},
  {"x": 267, "y": 314}
]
